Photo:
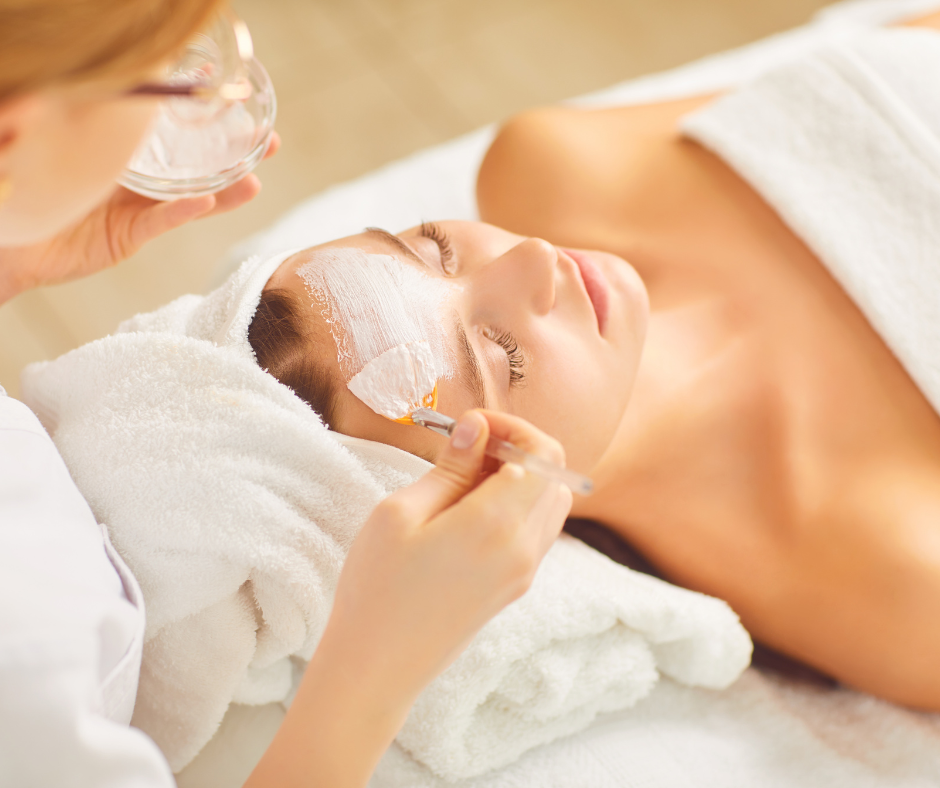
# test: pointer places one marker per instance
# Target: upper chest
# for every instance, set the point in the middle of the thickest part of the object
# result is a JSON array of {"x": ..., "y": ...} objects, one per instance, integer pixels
[
  {"x": 760, "y": 376},
  {"x": 763, "y": 392}
]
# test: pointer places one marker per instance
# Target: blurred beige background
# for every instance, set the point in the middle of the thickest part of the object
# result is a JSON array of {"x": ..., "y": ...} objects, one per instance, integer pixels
[{"x": 362, "y": 82}]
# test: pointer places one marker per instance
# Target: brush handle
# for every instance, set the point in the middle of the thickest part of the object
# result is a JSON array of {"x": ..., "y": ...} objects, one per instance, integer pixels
[{"x": 505, "y": 451}]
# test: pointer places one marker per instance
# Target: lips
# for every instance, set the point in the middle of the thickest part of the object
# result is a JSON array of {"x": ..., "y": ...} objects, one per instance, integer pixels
[{"x": 594, "y": 283}]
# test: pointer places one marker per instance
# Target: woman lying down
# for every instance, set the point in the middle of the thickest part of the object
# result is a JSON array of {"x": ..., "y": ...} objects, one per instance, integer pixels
[
  {"x": 766, "y": 446},
  {"x": 726, "y": 312}
]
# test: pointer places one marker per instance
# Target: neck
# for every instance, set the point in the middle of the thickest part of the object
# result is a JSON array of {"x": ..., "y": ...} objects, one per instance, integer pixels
[{"x": 687, "y": 349}]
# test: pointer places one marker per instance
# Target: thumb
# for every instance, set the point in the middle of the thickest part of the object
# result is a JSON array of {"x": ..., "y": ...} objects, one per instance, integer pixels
[
  {"x": 456, "y": 472},
  {"x": 165, "y": 216}
]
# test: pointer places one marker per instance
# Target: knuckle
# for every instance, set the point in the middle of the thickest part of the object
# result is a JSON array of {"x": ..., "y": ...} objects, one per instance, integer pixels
[
  {"x": 393, "y": 512},
  {"x": 453, "y": 474}
]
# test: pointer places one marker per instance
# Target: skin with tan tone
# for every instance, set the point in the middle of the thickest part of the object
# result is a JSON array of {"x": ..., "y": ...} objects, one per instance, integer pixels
[
  {"x": 506, "y": 284},
  {"x": 61, "y": 151},
  {"x": 774, "y": 453},
  {"x": 785, "y": 463}
]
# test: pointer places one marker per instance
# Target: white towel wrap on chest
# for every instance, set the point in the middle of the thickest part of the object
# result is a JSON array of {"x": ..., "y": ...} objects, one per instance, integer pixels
[{"x": 845, "y": 146}]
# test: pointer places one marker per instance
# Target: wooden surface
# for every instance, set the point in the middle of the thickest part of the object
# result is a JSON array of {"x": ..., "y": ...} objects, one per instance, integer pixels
[{"x": 363, "y": 82}]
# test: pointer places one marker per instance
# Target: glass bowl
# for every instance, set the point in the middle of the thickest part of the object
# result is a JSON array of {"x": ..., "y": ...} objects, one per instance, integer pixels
[{"x": 195, "y": 148}]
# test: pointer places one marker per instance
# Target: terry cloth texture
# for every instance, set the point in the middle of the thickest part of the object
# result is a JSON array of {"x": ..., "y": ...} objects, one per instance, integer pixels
[
  {"x": 234, "y": 506},
  {"x": 845, "y": 146}
]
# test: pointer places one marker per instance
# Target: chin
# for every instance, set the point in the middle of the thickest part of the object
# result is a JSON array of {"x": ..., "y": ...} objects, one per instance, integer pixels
[{"x": 631, "y": 287}]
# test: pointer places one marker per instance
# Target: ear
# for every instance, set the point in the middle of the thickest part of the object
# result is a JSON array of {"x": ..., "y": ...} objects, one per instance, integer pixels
[{"x": 17, "y": 116}]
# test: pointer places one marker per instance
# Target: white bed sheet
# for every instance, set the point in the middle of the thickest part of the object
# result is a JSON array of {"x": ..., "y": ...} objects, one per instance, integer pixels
[{"x": 764, "y": 731}]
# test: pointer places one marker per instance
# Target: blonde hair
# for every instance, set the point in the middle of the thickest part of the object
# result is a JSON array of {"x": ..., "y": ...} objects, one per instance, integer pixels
[{"x": 50, "y": 42}]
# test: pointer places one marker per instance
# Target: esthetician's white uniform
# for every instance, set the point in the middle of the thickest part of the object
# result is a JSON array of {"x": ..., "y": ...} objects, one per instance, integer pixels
[{"x": 71, "y": 629}]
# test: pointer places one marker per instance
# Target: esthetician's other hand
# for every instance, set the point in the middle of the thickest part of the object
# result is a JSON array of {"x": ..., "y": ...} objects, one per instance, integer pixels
[
  {"x": 117, "y": 228},
  {"x": 432, "y": 565}
]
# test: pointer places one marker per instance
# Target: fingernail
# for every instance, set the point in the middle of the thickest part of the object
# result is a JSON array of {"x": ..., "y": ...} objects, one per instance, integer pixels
[{"x": 465, "y": 434}]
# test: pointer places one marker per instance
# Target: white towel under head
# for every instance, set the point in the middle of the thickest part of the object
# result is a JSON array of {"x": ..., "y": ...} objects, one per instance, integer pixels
[
  {"x": 761, "y": 732},
  {"x": 234, "y": 507},
  {"x": 231, "y": 503}
]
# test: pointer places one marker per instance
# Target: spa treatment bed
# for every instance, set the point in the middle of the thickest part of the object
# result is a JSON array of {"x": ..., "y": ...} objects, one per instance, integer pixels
[
  {"x": 768, "y": 729},
  {"x": 683, "y": 727}
]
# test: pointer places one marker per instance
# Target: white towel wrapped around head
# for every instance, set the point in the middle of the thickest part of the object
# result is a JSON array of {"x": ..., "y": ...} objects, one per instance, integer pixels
[
  {"x": 224, "y": 493},
  {"x": 234, "y": 506}
]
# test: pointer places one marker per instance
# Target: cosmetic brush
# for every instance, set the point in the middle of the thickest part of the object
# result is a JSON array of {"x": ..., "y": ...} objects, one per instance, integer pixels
[{"x": 506, "y": 452}]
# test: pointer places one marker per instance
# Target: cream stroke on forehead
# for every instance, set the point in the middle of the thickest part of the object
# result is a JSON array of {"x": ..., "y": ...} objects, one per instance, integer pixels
[{"x": 388, "y": 321}]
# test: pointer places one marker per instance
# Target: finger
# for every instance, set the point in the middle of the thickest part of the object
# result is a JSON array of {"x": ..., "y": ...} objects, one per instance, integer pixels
[
  {"x": 456, "y": 472},
  {"x": 521, "y": 433},
  {"x": 236, "y": 195},
  {"x": 548, "y": 517},
  {"x": 512, "y": 495},
  {"x": 274, "y": 145},
  {"x": 160, "y": 217}
]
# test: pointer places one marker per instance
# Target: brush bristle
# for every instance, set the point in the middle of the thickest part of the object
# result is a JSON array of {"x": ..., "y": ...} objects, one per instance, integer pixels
[{"x": 430, "y": 401}]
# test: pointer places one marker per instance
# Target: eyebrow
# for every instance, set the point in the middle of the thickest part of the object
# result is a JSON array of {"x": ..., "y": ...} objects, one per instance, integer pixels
[
  {"x": 473, "y": 383},
  {"x": 393, "y": 240}
]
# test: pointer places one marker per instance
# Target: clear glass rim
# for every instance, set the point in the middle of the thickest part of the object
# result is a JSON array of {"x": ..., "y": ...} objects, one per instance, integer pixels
[{"x": 176, "y": 188}]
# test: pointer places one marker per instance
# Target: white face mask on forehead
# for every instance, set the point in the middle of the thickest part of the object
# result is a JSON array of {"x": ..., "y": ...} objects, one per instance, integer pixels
[{"x": 388, "y": 320}]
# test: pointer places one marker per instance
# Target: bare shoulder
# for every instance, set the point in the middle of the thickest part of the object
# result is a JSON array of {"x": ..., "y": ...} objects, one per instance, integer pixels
[
  {"x": 552, "y": 168},
  {"x": 562, "y": 167},
  {"x": 536, "y": 166},
  {"x": 931, "y": 20}
]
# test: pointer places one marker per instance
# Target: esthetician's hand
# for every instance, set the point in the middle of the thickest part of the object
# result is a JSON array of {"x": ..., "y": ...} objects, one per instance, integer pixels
[
  {"x": 432, "y": 565},
  {"x": 118, "y": 228},
  {"x": 440, "y": 558}
]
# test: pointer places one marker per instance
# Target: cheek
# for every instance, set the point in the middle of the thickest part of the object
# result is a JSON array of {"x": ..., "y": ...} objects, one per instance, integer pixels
[
  {"x": 453, "y": 397},
  {"x": 575, "y": 396},
  {"x": 356, "y": 419}
]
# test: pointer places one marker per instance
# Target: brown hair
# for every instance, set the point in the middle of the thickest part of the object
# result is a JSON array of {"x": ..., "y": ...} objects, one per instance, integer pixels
[
  {"x": 49, "y": 42},
  {"x": 281, "y": 336}
]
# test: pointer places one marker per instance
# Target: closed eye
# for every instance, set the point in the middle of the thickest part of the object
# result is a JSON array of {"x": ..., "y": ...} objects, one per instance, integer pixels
[
  {"x": 513, "y": 352},
  {"x": 435, "y": 232}
]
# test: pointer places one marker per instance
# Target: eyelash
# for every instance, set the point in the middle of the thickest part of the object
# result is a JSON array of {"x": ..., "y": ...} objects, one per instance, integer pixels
[
  {"x": 513, "y": 352},
  {"x": 504, "y": 339},
  {"x": 436, "y": 233}
]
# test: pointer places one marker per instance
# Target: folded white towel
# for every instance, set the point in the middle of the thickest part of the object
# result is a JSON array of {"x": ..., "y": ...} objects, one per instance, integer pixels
[
  {"x": 845, "y": 146},
  {"x": 234, "y": 506},
  {"x": 590, "y": 636}
]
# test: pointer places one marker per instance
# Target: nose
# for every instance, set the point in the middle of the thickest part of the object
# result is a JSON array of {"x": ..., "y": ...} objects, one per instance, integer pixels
[{"x": 524, "y": 276}]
